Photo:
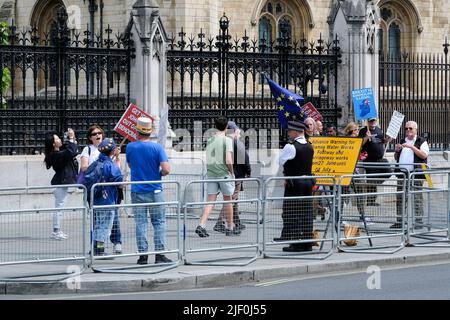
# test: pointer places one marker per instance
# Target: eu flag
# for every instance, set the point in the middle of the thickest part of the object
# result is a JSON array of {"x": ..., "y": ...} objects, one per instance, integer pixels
[{"x": 288, "y": 104}]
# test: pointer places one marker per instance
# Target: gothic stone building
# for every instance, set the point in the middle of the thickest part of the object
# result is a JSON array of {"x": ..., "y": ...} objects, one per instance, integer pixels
[{"x": 417, "y": 25}]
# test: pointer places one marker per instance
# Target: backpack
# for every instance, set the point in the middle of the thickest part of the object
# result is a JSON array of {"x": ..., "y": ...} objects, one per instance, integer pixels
[
  {"x": 93, "y": 175},
  {"x": 81, "y": 174}
]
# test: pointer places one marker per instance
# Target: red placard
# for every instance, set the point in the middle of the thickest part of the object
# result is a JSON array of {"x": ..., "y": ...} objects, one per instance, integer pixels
[
  {"x": 125, "y": 126},
  {"x": 311, "y": 111}
]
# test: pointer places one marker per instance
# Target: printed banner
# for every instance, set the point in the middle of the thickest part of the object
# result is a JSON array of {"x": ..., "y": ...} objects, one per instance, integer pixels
[
  {"x": 125, "y": 126},
  {"x": 335, "y": 156},
  {"x": 312, "y": 112},
  {"x": 364, "y": 104}
]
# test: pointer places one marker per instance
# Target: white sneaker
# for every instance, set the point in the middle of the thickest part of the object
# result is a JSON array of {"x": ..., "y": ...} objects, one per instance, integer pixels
[
  {"x": 59, "y": 235},
  {"x": 117, "y": 248}
]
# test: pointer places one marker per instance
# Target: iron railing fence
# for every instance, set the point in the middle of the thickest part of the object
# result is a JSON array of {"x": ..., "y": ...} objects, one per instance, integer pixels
[
  {"x": 212, "y": 76},
  {"x": 60, "y": 79},
  {"x": 417, "y": 85}
]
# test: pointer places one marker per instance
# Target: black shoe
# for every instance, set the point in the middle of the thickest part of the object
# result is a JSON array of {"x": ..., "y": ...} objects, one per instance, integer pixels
[
  {"x": 201, "y": 232},
  {"x": 397, "y": 225},
  {"x": 281, "y": 239},
  {"x": 232, "y": 232},
  {"x": 298, "y": 248},
  {"x": 160, "y": 258},
  {"x": 418, "y": 224},
  {"x": 373, "y": 204},
  {"x": 143, "y": 260},
  {"x": 239, "y": 226},
  {"x": 219, "y": 227}
]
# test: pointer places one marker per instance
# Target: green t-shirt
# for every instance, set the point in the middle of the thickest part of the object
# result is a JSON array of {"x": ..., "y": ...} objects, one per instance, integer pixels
[{"x": 216, "y": 149}]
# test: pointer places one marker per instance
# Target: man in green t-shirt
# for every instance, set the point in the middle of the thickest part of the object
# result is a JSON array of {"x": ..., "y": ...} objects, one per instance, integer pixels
[{"x": 219, "y": 164}]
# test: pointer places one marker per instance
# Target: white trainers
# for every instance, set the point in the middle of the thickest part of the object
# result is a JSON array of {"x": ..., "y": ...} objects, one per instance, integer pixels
[
  {"x": 59, "y": 235},
  {"x": 117, "y": 248}
]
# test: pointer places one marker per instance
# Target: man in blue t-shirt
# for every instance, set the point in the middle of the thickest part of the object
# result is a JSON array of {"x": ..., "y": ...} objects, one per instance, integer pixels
[{"x": 148, "y": 162}]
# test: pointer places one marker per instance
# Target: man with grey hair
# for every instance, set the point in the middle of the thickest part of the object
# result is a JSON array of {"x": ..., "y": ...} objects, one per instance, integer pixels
[{"x": 410, "y": 153}]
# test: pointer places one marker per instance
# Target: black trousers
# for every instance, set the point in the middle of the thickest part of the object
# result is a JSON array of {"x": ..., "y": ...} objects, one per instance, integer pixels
[{"x": 297, "y": 214}]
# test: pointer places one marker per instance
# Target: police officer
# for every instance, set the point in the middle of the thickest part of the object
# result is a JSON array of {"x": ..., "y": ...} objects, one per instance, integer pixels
[{"x": 296, "y": 159}]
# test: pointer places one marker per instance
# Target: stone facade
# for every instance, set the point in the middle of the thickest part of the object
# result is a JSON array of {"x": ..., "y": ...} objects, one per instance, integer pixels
[{"x": 422, "y": 23}]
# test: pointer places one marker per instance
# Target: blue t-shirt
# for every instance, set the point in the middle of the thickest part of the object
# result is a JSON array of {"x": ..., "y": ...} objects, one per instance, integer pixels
[{"x": 145, "y": 159}]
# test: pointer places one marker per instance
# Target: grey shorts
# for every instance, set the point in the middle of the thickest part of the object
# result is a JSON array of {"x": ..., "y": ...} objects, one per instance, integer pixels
[{"x": 227, "y": 188}]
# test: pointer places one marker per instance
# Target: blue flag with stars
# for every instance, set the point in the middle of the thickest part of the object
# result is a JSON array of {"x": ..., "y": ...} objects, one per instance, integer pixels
[{"x": 288, "y": 104}]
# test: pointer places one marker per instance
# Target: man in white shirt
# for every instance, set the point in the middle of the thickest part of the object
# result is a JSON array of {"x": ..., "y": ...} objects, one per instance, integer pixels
[
  {"x": 410, "y": 153},
  {"x": 296, "y": 159}
]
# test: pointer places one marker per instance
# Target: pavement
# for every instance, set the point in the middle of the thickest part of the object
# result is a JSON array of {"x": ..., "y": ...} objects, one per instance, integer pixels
[{"x": 184, "y": 277}]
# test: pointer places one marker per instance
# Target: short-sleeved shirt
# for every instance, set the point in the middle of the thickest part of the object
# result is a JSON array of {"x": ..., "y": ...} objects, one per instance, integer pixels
[
  {"x": 93, "y": 155},
  {"x": 375, "y": 146},
  {"x": 216, "y": 149},
  {"x": 144, "y": 158},
  {"x": 407, "y": 154}
]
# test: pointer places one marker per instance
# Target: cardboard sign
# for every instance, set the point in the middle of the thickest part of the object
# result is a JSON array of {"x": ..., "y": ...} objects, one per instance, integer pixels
[
  {"x": 395, "y": 124},
  {"x": 125, "y": 126},
  {"x": 364, "y": 104},
  {"x": 335, "y": 156},
  {"x": 312, "y": 112}
]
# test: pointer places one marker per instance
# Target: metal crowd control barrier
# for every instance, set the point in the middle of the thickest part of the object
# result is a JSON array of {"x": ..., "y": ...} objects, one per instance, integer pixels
[
  {"x": 295, "y": 212},
  {"x": 387, "y": 220},
  {"x": 128, "y": 227},
  {"x": 221, "y": 247},
  {"x": 26, "y": 233},
  {"x": 185, "y": 169},
  {"x": 429, "y": 208}
]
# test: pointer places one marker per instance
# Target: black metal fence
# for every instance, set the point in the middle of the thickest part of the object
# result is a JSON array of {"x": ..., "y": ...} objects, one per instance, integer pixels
[
  {"x": 220, "y": 75},
  {"x": 417, "y": 85},
  {"x": 59, "y": 80}
]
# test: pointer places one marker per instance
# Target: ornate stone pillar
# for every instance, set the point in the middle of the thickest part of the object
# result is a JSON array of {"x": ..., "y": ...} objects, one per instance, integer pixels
[
  {"x": 148, "y": 69},
  {"x": 355, "y": 23}
]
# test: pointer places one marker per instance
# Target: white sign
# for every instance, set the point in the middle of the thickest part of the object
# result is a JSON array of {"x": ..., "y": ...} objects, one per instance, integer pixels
[{"x": 395, "y": 125}]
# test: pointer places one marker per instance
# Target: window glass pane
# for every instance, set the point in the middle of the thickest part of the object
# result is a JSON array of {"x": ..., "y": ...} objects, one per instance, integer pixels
[
  {"x": 285, "y": 29},
  {"x": 265, "y": 30},
  {"x": 394, "y": 52}
]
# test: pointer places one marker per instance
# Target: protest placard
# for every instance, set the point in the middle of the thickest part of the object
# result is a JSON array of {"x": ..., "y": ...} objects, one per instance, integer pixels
[
  {"x": 125, "y": 126},
  {"x": 335, "y": 156},
  {"x": 395, "y": 124},
  {"x": 311, "y": 111},
  {"x": 364, "y": 104}
]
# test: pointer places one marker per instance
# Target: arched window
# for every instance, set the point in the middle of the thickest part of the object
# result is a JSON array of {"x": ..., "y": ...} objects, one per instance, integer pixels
[
  {"x": 394, "y": 41},
  {"x": 285, "y": 29},
  {"x": 265, "y": 31},
  {"x": 394, "y": 52},
  {"x": 44, "y": 19},
  {"x": 281, "y": 18}
]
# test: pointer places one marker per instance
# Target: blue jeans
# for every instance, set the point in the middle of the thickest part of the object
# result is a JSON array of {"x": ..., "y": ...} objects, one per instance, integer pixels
[
  {"x": 60, "y": 200},
  {"x": 158, "y": 218},
  {"x": 116, "y": 235},
  {"x": 103, "y": 223}
]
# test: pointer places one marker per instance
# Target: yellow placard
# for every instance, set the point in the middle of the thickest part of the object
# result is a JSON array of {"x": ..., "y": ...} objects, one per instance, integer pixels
[
  {"x": 427, "y": 176},
  {"x": 335, "y": 156}
]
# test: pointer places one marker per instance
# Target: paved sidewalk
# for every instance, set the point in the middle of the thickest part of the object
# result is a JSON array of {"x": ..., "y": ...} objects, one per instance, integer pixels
[{"x": 194, "y": 276}]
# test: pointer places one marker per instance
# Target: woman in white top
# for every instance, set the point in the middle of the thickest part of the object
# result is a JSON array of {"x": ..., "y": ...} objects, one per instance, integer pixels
[{"x": 89, "y": 155}]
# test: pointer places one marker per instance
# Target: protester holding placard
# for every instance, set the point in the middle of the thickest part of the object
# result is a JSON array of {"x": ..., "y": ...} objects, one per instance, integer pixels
[
  {"x": 374, "y": 142},
  {"x": 413, "y": 149}
]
